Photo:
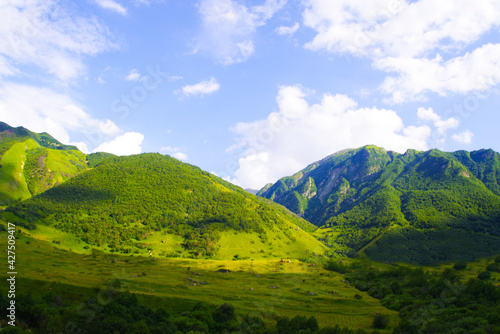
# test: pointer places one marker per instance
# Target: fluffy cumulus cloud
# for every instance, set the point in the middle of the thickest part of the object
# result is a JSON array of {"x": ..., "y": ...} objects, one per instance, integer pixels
[
  {"x": 174, "y": 152},
  {"x": 475, "y": 71},
  {"x": 228, "y": 27},
  {"x": 301, "y": 132},
  {"x": 112, "y": 6},
  {"x": 43, "y": 33},
  {"x": 126, "y": 144},
  {"x": 286, "y": 30},
  {"x": 44, "y": 110},
  {"x": 441, "y": 125},
  {"x": 133, "y": 75},
  {"x": 432, "y": 47},
  {"x": 201, "y": 88},
  {"x": 463, "y": 137}
]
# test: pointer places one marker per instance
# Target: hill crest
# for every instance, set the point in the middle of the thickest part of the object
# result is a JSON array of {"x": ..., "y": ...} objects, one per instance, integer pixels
[{"x": 152, "y": 202}]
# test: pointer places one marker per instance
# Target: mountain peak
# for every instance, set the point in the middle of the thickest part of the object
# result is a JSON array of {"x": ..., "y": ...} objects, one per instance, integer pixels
[
  {"x": 43, "y": 139},
  {"x": 362, "y": 192},
  {"x": 33, "y": 162}
]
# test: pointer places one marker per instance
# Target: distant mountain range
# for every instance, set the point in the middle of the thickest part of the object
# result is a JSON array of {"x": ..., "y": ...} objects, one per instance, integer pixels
[{"x": 422, "y": 207}]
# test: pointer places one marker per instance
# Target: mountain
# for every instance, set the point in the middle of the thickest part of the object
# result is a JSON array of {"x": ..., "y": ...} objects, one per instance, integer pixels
[
  {"x": 252, "y": 191},
  {"x": 157, "y": 204},
  {"x": 31, "y": 163},
  {"x": 420, "y": 207}
]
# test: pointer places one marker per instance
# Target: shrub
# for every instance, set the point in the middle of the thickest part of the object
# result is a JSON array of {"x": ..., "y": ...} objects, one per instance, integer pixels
[
  {"x": 380, "y": 321},
  {"x": 335, "y": 265},
  {"x": 485, "y": 275},
  {"x": 493, "y": 267},
  {"x": 460, "y": 265}
]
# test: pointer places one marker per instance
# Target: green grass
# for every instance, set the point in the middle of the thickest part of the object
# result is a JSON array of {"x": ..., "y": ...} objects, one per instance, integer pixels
[
  {"x": 13, "y": 184},
  {"x": 22, "y": 178},
  {"x": 43, "y": 267},
  {"x": 295, "y": 243}
]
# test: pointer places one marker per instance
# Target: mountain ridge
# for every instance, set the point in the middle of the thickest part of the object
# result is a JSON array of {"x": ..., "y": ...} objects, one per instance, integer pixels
[
  {"x": 357, "y": 194},
  {"x": 31, "y": 163}
]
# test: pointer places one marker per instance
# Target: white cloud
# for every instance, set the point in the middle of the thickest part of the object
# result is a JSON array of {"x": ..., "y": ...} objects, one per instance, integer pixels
[
  {"x": 283, "y": 30},
  {"x": 42, "y": 109},
  {"x": 463, "y": 137},
  {"x": 202, "y": 88},
  {"x": 45, "y": 34},
  {"x": 228, "y": 28},
  {"x": 133, "y": 75},
  {"x": 174, "y": 152},
  {"x": 126, "y": 144},
  {"x": 475, "y": 71},
  {"x": 82, "y": 146},
  {"x": 442, "y": 125},
  {"x": 300, "y": 132},
  {"x": 428, "y": 115},
  {"x": 424, "y": 43},
  {"x": 398, "y": 28},
  {"x": 180, "y": 156},
  {"x": 112, "y": 6}
]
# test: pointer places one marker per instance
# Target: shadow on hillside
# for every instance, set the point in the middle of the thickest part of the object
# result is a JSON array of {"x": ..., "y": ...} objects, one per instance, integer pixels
[
  {"x": 78, "y": 195},
  {"x": 432, "y": 247}
]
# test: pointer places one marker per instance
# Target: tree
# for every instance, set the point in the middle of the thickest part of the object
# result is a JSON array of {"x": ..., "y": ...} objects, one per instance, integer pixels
[
  {"x": 460, "y": 265},
  {"x": 224, "y": 313},
  {"x": 485, "y": 275},
  {"x": 380, "y": 321}
]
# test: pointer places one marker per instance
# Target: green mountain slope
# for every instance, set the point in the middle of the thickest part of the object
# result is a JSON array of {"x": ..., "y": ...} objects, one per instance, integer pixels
[
  {"x": 365, "y": 197},
  {"x": 31, "y": 163},
  {"x": 154, "y": 203}
]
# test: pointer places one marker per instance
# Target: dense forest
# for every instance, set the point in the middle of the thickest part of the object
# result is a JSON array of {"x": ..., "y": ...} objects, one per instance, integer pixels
[{"x": 432, "y": 302}]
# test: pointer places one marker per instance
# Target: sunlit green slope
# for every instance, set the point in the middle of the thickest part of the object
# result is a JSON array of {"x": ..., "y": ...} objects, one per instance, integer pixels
[
  {"x": 155, "y": 203},
  {"x": 31, "y": 163}
]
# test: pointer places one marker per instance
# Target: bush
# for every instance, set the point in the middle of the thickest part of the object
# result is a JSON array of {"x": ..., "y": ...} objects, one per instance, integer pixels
[
  {"x": 485, "y": 275},
  {"x": 297, "y": 324},
  {"x": 460, "y": 265},
  {"x": 380, "y": 321},
  {"x": 224, "y": 313},
  {"x": 335, "y": 265},
  {"x": 493, "y": 267}
]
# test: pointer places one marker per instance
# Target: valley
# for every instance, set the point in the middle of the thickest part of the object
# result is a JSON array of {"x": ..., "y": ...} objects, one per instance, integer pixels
[{"x": 365, "y": 240}]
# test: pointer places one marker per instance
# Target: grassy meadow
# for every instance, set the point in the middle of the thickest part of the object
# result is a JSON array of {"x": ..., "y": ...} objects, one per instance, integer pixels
[{"x": 270, "y": 288}]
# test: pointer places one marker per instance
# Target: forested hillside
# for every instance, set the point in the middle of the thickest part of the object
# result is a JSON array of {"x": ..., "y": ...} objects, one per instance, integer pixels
[
  {"x": 412, "y": 207},
  {"x": 125, "y": 200}
]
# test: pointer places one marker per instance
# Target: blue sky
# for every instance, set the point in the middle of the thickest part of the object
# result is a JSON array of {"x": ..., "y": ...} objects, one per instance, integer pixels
[{"x": 253, "y": 90}]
